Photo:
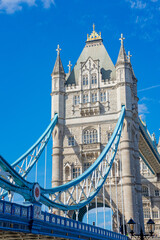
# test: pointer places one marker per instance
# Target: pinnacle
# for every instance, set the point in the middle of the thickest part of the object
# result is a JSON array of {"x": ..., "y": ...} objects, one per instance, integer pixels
[
  {"x": 122, "y": 57},
  {"x": 58, "y": 67}
]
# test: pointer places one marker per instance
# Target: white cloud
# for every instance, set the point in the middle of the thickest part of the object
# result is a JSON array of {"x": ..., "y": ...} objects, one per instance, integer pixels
[
  {"x": 138, "y": 4},
  {"x": 145, "y": 89},
  {"x": 11, "y": 6},
  {"x": 47, "y": 3},
  {"x": 142, "y": 110}
]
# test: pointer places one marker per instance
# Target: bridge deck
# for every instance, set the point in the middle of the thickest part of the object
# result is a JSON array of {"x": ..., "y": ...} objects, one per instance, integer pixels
[{"x": 28, "y": 222}]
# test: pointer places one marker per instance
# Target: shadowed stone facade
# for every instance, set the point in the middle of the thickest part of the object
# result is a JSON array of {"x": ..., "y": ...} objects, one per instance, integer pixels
[{"x": 88, "y": 101}]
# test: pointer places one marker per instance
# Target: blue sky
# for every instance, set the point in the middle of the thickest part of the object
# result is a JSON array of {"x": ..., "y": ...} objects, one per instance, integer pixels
[{"x": 30, "y": 31}]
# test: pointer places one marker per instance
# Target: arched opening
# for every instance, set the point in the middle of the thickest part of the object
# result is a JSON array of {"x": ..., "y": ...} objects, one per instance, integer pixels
[
  {"x": 82, "y": 216},
  {"x": 104, "y": 217}
]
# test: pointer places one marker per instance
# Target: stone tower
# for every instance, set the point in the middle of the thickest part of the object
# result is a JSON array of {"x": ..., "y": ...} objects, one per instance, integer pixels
[
  {"x": 88, "y": 100},
  {"x": 131, "y": 178}
]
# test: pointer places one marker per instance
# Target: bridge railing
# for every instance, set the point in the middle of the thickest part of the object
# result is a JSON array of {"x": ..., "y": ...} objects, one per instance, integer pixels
[
  {"x": 87, "y": 228},
  {"x": 22, "y": 218}
]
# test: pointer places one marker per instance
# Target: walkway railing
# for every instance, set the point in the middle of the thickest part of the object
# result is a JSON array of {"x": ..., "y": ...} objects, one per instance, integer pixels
[{"x": 30, "y": 219}]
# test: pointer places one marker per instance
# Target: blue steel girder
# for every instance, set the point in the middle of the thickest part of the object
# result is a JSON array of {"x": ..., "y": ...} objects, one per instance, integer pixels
[
  {"x": 148, "y": 150},
  {"x": 23, "y": 165},
  {"x": 67, "y": 197}
]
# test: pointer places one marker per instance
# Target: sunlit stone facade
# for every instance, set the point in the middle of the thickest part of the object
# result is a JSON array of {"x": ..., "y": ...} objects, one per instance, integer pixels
[{"x": 88, "y": 101}]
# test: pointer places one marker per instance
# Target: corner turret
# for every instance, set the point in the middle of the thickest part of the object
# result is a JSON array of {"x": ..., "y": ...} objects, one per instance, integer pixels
[
  {"x": 58, "y": 82},
  {"x": 58, "y": 106}
]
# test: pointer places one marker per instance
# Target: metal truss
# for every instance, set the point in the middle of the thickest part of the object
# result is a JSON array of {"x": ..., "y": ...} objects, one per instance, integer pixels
[
  {"x": 82, "y": 190},
  {"x": 74, "y": 194},
  {"x": 25, "y": 163}
]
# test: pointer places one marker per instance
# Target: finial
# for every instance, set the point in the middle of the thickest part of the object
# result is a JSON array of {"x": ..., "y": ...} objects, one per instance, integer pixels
[
  {"x": 69, "y": 66},
  {"x": 58, "y": 49},
  {"x": 94, "y": 35},
  {"x": 93, "y": 27},
  {"x": 129, "y": 56},
  {"x": 121, "y": 38}
]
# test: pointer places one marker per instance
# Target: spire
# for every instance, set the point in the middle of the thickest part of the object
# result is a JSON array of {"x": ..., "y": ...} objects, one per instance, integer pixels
[
  {"x": 122, "y": 57},
  {"x": 58, "y": 67}
]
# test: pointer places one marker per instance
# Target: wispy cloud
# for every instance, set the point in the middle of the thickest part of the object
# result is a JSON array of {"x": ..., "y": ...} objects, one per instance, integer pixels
[
  {"x": 145, "y": 89},
  {"x": 142, "y": 110},
  {"x": 138, "y": 4},
  {"x": 47, "y": 3},
  {"x": 11, "y": 6},
  {"x": 145, "y": 15}
]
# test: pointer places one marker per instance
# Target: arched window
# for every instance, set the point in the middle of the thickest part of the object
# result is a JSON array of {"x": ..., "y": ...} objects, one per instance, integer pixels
[
  {"x": 85, "y": 80},
  {"x": 94, "y": 78},
  {"x": 145, "y": 191},
  {"x": 90, "y": 136}
]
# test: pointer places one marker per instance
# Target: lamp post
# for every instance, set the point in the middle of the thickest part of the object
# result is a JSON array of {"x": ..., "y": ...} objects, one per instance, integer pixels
[
  {"x": 141, "y": 236},
  {"x": 131, "y": 223},
  {"x": 150, "y": 224}
]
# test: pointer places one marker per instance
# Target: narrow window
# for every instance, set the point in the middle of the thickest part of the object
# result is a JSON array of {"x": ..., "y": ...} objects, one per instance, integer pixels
[
  {"x": 155, "y": 214},
  {"x": 86, "y": 166},
  {"x": 94, "y": 79},
  {"x": 103, "y": 97},
  {"x": 71, "y": 141},
  {"x": 94, "y": 97},
  {"x": 85, "y": 80},
  {"x": 76, "y": 100},
  {"x": 145, "y": 191},
  {"x": 156, "y": 193},
  {"x": 76, "y": 172},
  {"x": 85, "y": 98}
]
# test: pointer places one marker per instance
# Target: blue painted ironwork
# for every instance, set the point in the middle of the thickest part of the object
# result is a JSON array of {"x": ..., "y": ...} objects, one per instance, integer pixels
[
  {"x": 80, "y": 182},
  {"x": 30, "y": 219},
  {"x": 93, "y": 178},
  {"x": 43, "y": 140},
  {"x": 18, "y": 170}
]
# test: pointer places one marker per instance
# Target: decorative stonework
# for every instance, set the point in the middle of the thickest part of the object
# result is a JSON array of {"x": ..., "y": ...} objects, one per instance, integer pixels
[{"x": 94, "y": 35}]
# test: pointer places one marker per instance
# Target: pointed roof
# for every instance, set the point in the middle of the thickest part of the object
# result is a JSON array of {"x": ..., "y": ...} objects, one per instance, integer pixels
[
  {"x": 58, "y": 67},
  {"x": 122, "y": 56},
  {"x": 95, "y": 49}
]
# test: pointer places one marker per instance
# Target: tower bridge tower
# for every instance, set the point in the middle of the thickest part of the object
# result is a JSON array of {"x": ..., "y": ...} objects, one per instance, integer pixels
[{"x": 88, "y": 100}]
